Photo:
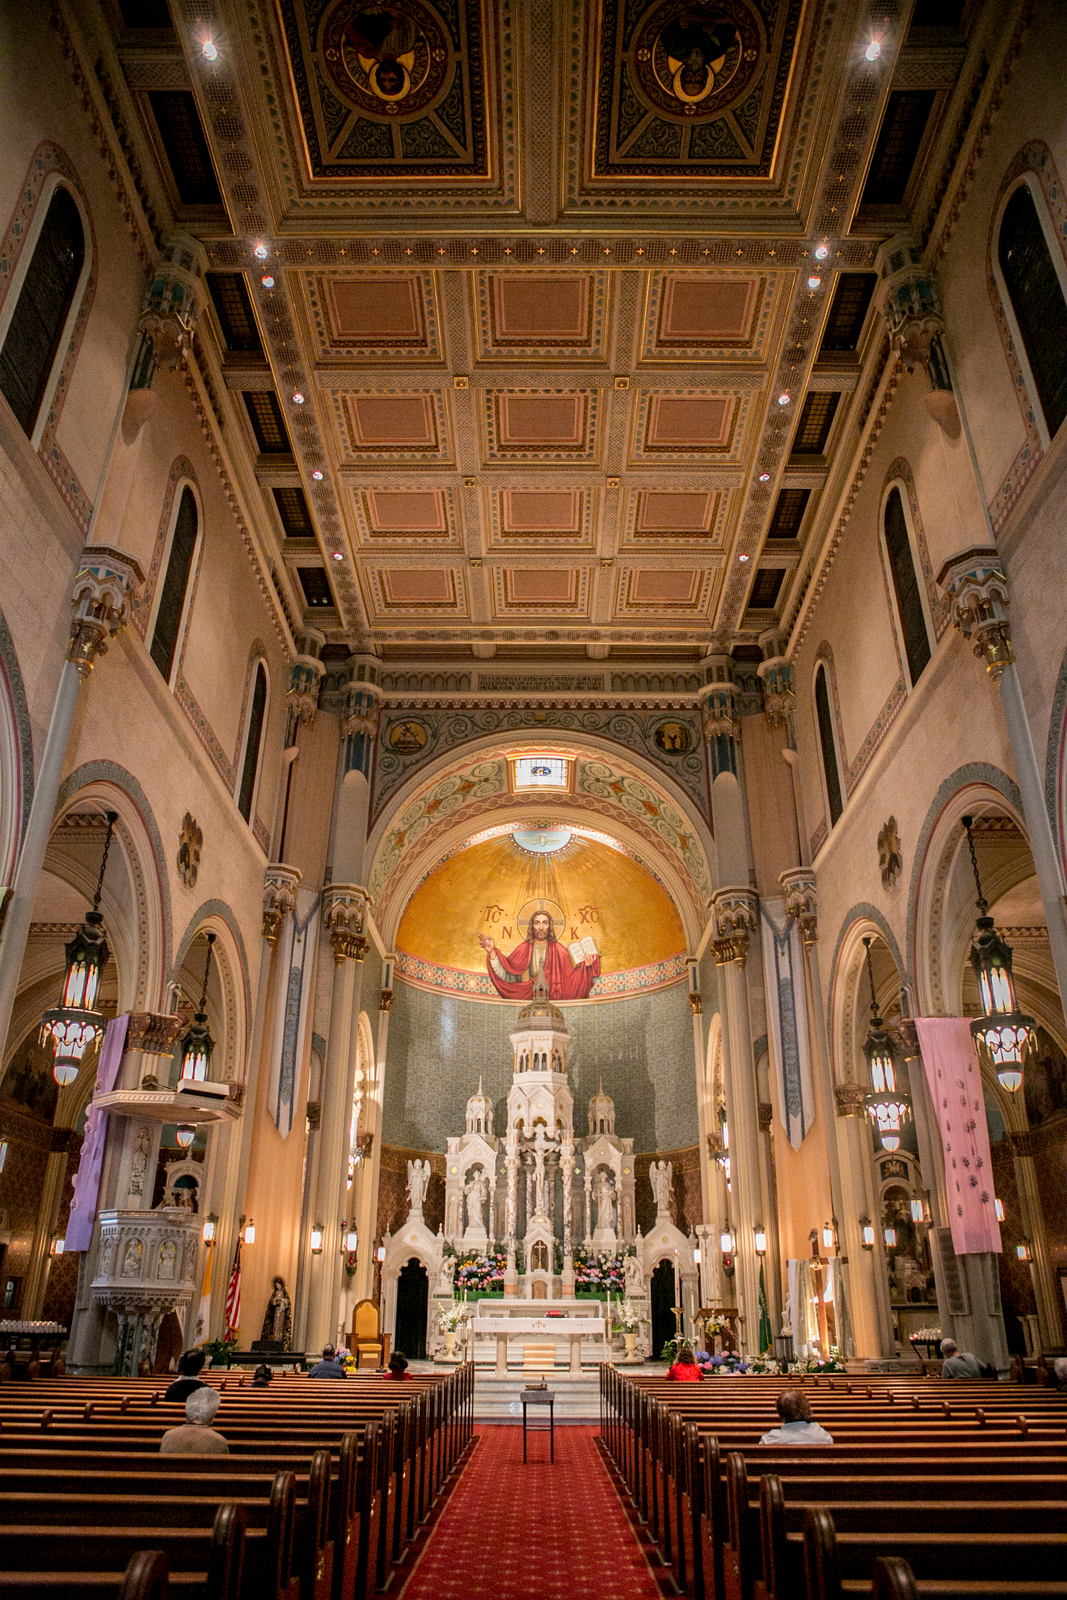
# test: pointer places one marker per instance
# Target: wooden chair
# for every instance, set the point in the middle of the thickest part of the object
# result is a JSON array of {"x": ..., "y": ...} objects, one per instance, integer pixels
[{"x": 369, "y": 1345}]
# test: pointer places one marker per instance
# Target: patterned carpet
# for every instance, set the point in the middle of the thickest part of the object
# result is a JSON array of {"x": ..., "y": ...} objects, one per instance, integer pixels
[{"x": 514, "y": 1532}]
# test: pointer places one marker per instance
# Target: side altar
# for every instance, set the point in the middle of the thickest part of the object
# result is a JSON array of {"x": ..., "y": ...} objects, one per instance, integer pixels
[{"x": 540, "y": 1211}]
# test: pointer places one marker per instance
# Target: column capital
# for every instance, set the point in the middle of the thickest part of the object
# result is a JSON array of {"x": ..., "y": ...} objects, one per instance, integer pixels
[
  {"x": 977, "y": 588},
  {"x": 306, "y": 674},
  {"x": 735, "y": 915},
  {"x": 849, "y": 1098},
  {"x": 802, "y": 901},
  {"x": 775, "y": 672},
  {"x": 280, "y": 883},
  {"x": 100, "y": 599},
  {"x": 154, "y": 1032},
  {"x": 385, "y": 999},
  {"x": 696, "y": 1004},
  {"x": 911, "y": 304},
  {"x": 344, "y": 906},
  {"x": 717, "y": 698},
  {"x": 174, "y": 299}
]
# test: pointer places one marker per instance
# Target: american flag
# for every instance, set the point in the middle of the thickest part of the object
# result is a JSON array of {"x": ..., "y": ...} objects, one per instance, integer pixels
[{"x": 233, "y": 1294}]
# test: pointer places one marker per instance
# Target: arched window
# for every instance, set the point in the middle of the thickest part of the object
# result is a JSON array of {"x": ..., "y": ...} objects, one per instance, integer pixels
[
  {"x": 40, "y": 315},
  {"x": 1037, "y": 299},
  {"x": 250, "y": 766},
  {"x": 171, "y": 609},
  {"x": 906, "y": 586},
  {"x": 824, "y": 718}
]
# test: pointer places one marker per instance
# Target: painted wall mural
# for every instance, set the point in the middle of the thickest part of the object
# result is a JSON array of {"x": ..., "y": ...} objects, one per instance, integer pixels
[
  {"x": 541, "y": 902},
  {"x": 670, "y": 739}
]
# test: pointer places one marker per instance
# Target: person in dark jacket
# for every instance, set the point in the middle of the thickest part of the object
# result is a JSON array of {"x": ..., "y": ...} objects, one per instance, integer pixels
[
  {"x": 329, "y": 1366},
  {"x": 189, "y": 1379}
]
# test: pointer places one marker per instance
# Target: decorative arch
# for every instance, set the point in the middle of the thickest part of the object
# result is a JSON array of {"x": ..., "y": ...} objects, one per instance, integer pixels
[
  {"x": 900, "y": 476},
  {"x": 232, "y": 962},
  {"x": 1055, "y": 761},
  {"x": 1035, "y": 166},
  {"x": 142, "y": 846},
  {"x": 16, "y": 755},
  {"x": 181, "y": 472},
  {"x": 438, "y": 809},
  {"x": 860, "y": 919},
  {"x": 257, "y": 657},
  {"x": 968, "y": 786},
  {"x": 49, "y": 166},
  {"x": 824, "y": 658}
]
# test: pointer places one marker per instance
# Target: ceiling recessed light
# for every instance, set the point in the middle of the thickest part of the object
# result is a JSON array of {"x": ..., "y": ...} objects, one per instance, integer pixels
[
  {"x": 338, "y": 555},
  {"x": 317, "y": 475},
  {"x": 742, "y": 557},
  {"x": 298, "y": 398},
  {"x": 873, "y": 50},
  {"x": 267, "y": 281},
  {"x": 210, "y": 50},
  {"x": 764, "y": 477},
  {"x": 261, "y": 252},
  {"x": 783, "y": 398},
  {"x": 814, "y": 281},
  {"x": 821, "y": 252}
]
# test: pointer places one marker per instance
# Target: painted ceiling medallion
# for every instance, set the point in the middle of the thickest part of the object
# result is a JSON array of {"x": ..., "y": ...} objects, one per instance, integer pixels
[
  {"x": 694, "y": 61},
  {"x": 386, "y": 60}
]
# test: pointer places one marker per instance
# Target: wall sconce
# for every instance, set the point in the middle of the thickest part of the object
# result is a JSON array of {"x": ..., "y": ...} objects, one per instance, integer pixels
[
  {"x": 827, "y": 1236},
  {"x": 3, "y": 1154},
  {"x": 917, "y": 1212},
  {"x": 867, "y": 1233},
  {"x": 249, "y": 1234},
  {"x": 380, "y": 1253},
  {"x": 697, "y": 1255},
  {"x": 998, "y": 1205},
  {"x": 58, "y": 1246},
  {"x": 759, "y": 1234},
  {"x": 350, "y": 1239},
  {"x": 890, "y": 1237},
  {"x": 316, "y": 1239},
  {"x": 209, "y": 1229},
  {"x": 1021, "y": 1250},
  {"x": 185, "y": 1135},
  {"x": 726, "y": 1241}
]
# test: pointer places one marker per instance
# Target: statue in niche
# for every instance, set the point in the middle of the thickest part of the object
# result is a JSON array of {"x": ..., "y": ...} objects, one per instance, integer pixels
[
  {"x": 139, "y": 1161},
  {"x": 447, "y": 1275},
  {"x": 604, "y": 1195},
  {"x": 452, "y": 1216},
  {"x": 541, "y": 1149},
  {"x": 660, "y": 1177},
  {"x": 278, "y": 1317},
  {"x": 632, "y": 1271},
  {"x": 131, "y": 1258},
  {"x": 168, "y": 1260},
  {"x": 418, "y": 1183},
  {"x": 107, "y": 1256},
  {"x": 477, "y": 1192}
]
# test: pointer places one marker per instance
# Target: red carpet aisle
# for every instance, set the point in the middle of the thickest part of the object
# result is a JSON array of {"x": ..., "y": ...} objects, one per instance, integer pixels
[{"x": 511, "y": 1532}]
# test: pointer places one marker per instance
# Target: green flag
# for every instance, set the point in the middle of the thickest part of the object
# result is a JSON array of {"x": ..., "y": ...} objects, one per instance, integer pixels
[{"x": 765, "y": 1334}]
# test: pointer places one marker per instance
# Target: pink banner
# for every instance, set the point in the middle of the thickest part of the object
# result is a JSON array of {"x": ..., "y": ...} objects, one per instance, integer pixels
[
  {"x": 955, "y": 1081},
  {"x": 87, "y": 1180}
]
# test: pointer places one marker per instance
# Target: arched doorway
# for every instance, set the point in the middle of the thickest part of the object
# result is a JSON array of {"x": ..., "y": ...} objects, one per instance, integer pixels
[
  {"x": 662, "y": 1298},
  {"x": 412, "y": 1301}
]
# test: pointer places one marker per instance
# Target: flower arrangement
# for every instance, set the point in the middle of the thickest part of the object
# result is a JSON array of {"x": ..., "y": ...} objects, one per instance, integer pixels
[
  {"x": 598, "y": 1274},
  {"x": 450, "y": 1316},
  {"x": 480, "y": 1274},
  {"x": 816, "y": 1364},
  {"x": 628, "y": 1318}
]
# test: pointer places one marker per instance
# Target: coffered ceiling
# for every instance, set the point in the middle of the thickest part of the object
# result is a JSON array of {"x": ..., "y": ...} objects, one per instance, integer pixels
[{"x": 534, "y": 283}]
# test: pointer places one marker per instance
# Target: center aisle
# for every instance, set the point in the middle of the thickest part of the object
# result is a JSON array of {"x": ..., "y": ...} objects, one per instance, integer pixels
[{"x": 513, "y": 1532}]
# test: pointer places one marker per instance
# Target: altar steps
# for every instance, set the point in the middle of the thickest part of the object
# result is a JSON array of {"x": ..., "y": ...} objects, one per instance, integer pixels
[{"x": 498, "y": 1399}]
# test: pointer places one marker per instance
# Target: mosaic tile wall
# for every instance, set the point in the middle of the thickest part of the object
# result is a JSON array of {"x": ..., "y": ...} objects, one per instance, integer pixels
[{"x": 642, "y": 1046}]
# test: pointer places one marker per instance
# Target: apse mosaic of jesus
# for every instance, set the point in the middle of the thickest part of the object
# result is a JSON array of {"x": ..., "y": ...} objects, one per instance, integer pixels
[{"x": 568, "y": 971}]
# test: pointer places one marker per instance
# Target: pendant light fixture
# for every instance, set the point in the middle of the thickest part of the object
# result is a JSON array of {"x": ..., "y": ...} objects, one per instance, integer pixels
[
  {"x": 887, "y": 1106},
  {"x": 75, "y": 1025},
  {"x": 1003, "y": 1035},
  {"x": 197, "y": 1043}
]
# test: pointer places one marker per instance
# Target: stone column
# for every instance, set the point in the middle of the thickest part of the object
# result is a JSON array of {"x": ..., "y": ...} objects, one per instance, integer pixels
[
  {"x": 511, "y": 1166},
  {"x": 343, "y": 910},
  {"x": 566, "y": 1167},
  {"x": 977, "y": 589},
  {"x": 103, "y": 586},
  {"x": 365, "y": 1188},
  {"x": 587, "y": 1185},
  {"x": 1046, "y": 1289},
  {"x": 868, "y": 1278},
  {"x": 696, "y": 1007},
  {"x": 736, "y": 917}
]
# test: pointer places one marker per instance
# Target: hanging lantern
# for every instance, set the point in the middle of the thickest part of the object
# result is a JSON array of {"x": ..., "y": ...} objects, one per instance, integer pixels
[
  {"x": 209, "y": 1229},
  {"x": 197, "y": 1043},
  {"x": 185, "y": 1135},
  {"x": 887, "y": 1106},
  {"x": 827, "y": 1237},
  {"x": 1003, "y": 1036},
  {"x": 867, "y": 1233},
  {"x": 890, "y": 1237},
  {"x": 249, "y": 1234},
  {"x": 351, "y": 1239},
  {"x": 759, "y": 1234},
  {"x": 75, "y": 1025},
  {"x": 316, "y": 1239}
]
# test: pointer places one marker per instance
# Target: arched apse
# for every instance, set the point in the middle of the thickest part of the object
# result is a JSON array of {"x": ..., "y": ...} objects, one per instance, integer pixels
[
  {"x": 456, "y": 797},
  {"x": 941, "y": 899},
  {"x": 233, "y": 1001},
  {"x": 138, "y": 837},
  {"x": 16, "y": 755}
]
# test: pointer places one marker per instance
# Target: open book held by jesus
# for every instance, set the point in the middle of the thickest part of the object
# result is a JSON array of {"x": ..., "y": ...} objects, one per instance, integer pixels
[{"x": 581, "y": 948}]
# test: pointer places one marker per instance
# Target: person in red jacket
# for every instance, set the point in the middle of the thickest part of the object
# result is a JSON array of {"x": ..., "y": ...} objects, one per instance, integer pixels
[
  {"x": 398, "y": 1367},
  {"x": 685, "y": 1369}
]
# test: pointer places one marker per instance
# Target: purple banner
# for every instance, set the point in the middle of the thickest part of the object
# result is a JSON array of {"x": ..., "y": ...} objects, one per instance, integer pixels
[
  {"x": 955, "y": 1080},
  {"x": 87, "y": 1180}
]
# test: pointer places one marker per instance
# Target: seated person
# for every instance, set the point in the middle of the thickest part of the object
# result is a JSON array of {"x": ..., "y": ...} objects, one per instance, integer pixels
[
  {"x": 398, "y": 1367},
  {"x": 329, "y": 1366},
  {"x": 685, "y": 1369},
  {"x": 958, "y": 1363},
  {"x": 797, "y": 1427},
  {"x": 262, "y": 1376},
  {"x": 189, "y": 1379},
  {"x": 196, "y": 1436}
]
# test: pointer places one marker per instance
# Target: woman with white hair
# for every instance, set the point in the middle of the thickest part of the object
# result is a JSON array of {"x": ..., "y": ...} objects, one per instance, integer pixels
[{"x": 196, "y": 1436}]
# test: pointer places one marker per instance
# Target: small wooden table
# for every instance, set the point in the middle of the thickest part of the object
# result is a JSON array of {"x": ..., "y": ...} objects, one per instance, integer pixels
[{"x": 540, "y": 1397}]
